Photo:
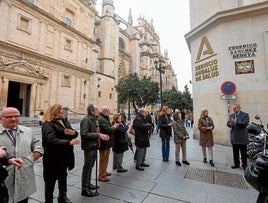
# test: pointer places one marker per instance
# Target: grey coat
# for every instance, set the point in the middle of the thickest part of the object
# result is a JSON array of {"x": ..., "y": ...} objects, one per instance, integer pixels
[{"x": 21, "y": 183}]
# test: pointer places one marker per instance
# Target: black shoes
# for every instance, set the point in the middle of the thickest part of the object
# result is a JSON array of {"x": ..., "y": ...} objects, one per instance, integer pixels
[
  {"x": 88, "y": 193},
  {"x": 139, "y": 168},
  {"x": 235, "y": 166},
  {"x": 64, "y": 199},
  {"x": 185, "y": 162},
  {"x": 145, "y": 165},
  {"x": 211, "y": 163},
  {"x": 178, "y": 163},
  {"x": 93, "y": 187},
  {"x": 122, "y": 170},
  {"x": 166, "y": 160}
]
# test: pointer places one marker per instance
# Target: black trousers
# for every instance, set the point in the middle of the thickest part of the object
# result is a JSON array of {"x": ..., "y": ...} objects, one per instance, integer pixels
[
  {"x": 3, "y": 193},
  {"x": 50, "y": 185},
  {"x": 89, "y": 161},
  {"x": 243, "y": 151}
]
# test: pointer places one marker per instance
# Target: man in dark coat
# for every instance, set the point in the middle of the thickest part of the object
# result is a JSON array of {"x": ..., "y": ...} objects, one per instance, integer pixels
[
  {"x": 89, "y": 139},
  {"x": 104, "y": 149},
  {"x": 238, "y": 122},
  {"x": 142, "y": 141}
]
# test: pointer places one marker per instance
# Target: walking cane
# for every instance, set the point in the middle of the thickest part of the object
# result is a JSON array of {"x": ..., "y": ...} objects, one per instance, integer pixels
[
  {"x": 96, "y": 154},
  {"x": 96, "y": 181}
]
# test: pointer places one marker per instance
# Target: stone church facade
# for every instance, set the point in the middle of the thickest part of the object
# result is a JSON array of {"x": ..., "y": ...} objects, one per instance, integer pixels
[
  {"x": 228, "y": 42},
  {"x": 64, "y": 52}
]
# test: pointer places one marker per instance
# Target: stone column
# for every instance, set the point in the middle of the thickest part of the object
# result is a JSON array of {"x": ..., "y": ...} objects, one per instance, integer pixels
[{"x": 3, "y": 92}]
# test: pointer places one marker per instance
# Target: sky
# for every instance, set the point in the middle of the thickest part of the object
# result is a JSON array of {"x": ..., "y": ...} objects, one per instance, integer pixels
[{"x": 171, "y": 20}]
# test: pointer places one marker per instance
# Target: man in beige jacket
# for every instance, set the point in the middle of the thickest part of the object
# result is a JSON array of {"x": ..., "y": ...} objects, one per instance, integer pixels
[{"x": 19, "y": 142}]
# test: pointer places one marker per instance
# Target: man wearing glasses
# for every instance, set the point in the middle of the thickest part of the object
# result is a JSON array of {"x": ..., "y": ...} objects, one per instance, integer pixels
[
  {"x": 238, "y": 122},
  {"x": 19, "y": 142}
]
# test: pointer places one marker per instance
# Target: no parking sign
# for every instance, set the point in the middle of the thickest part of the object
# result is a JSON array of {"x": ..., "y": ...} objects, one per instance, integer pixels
[{"x": 228, "y": 88}]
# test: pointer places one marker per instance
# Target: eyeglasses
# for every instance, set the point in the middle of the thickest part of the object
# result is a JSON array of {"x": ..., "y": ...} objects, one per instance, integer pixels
[{"x": 11, "y": 117}]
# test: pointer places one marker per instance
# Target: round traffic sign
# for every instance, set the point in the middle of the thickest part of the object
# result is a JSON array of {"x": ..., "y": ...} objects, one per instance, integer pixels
[{"x": 228, "y": 88}]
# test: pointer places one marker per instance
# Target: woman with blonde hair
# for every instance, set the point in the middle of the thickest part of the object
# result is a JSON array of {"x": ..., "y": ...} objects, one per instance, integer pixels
[
  {"x": 58, "y": 138},
  {"x": 206, "y": 126},
  {"x": 165, "y": 123},
  {"x": 120, "y": 142}
]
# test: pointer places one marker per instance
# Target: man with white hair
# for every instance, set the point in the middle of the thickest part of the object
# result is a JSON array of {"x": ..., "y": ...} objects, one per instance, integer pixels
[
  {"x": 238, "y": 122},
  {"x": 106, "y": 128},
  {"x": 141, "y": 127}
]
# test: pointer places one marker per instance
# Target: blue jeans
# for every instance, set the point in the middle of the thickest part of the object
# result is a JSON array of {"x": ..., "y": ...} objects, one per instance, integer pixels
[{"x": 165, "y": 148}]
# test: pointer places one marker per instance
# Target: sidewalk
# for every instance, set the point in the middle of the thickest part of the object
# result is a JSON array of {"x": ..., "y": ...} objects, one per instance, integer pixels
[{"x": 162, "y": 182}]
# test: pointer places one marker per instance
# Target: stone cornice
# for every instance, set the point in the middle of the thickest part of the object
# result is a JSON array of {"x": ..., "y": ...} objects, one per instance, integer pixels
[
  {"x": 36, "y": 57},
  {"x": 227, "y": 15},
  {"x": 108, "y": 76}
]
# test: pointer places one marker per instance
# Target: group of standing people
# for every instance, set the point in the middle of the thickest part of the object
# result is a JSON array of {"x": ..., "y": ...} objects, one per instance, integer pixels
[
  {"x": 98, "y": 133},
  {"x": 20, "y": 149},
  {"x": 237, "y": 121},
  {"x": 166, "y": 123}
]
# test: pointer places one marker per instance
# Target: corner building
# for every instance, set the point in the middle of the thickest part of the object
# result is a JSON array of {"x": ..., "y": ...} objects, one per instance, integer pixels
[
  {"x": 228, "y": 42},
  {"x": 63, "y": 51}
]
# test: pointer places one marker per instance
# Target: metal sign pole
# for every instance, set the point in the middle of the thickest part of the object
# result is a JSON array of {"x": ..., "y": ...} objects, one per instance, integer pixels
[{"x": 228, "y": 107}]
